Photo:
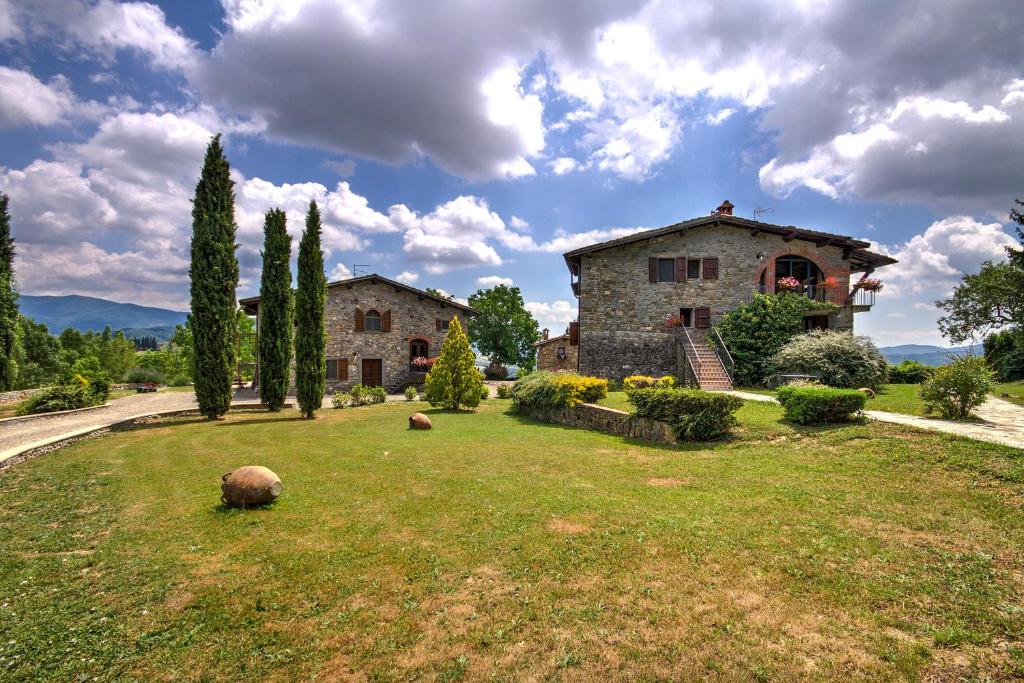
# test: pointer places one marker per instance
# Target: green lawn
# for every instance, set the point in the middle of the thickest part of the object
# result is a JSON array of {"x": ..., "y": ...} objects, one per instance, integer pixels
[
  {"x": 1011, "y": 391},
  {"x": 497, "y": 547},
  {"x": 893, "y": 398}
]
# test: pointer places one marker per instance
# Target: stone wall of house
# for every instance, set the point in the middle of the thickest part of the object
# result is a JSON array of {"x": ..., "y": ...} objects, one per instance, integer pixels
[
  {"x": 622, "y": 314},
  {"x": 602, "y": 419},
  {"x": 548, "y": 358},
  {"x": 413, "y": 317}
]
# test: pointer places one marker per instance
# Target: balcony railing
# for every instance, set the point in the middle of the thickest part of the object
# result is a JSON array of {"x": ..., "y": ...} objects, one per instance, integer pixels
[
  {"x": 831, "y": 295},
  {"x": 864, "y": 297}
]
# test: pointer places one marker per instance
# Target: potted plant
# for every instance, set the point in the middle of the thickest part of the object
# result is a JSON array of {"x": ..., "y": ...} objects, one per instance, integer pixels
[
  {"x": 787, "y": 284},
  {"x": 674, "y": 321},
  {"x": 422, "y": 363},
  {"x": 829, "y": 283},
  {"x": 871, "y": 284}
]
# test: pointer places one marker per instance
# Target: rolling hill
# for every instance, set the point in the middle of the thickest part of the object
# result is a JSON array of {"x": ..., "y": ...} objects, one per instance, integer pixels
[
  {"x": 925, "y": 353},
  {"x": 86, "y": 313}
]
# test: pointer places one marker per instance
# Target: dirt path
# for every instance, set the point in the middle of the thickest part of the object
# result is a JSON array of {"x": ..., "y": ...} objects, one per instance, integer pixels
[
  {"x": 1002, "y": 421},
  {"x": 16, "y": 433}
]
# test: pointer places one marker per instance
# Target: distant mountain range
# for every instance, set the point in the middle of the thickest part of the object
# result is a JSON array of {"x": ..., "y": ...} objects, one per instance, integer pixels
[
  {"x": 926, "y": 354},
  {"x": 85, "y": 313}
]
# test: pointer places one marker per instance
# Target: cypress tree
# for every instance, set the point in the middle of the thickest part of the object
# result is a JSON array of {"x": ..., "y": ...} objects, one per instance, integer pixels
[
  {"x": 214, "y": 274},
  {"x": 275, "y": 338},
  {"x": 310, "y": 340},
  {"x": 10, "y": 325},
  {"x": 454, "y": 382}
]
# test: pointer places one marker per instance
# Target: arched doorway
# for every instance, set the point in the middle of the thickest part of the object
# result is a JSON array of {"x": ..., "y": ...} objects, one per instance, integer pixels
[
  {"x": 418, "y": 348},
  {"x": 802, "y": 269}
]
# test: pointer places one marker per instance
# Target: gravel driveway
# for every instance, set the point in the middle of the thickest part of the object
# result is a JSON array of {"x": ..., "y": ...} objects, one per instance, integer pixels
[{"x": 17, "y": 433}]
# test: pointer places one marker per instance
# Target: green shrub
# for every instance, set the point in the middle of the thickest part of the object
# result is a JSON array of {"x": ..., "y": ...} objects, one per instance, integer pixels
[
  {"x": 910, "y": 372},
  {"x": 755, "y": 331},
  {"x": 956, "y": 389},
  {"x": 634, "y": 382},
  {"x": 1004, "y": 353},
  {"x": 695, "y": 415},
  {"x": 819, "y": 405},
  {"x": 454, "y": 382},
  {"x": 341, "y": 399},
  {"x": 504, "y": 391},
  {"x": 411, "y": 393},
  {"x": 358, "y": 395},
  {"x": 496, "y": 371},
  {"x": 543, "y": 389},
  {"x": 485, "y": 393},
  {"x": 70, "y": 396},
  {"x": 840, "y": 359},
  {"x": 180, "y": 381},
  {"x": 143, "y": 376}
]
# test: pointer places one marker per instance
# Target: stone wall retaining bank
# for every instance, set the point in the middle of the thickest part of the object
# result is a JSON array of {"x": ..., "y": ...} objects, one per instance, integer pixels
[
  {"x": 602, "y": 419},
  {"x": 19, "y": 395},
  {"x": 21, "y": 454}
]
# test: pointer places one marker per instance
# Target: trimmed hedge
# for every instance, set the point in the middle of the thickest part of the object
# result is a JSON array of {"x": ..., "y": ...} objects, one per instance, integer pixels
[
  {"x": 820, "y": 405},
  {"x": 909, "y": 372},
  {"x": 634, "y": 382},
  {"x": 695, "y": 415},
  {"x": 358, "y": 395},
  {"x": 543, "y": 389},
  {"x": 143, "y": 376},
  {"x": 76, "y": 394}
]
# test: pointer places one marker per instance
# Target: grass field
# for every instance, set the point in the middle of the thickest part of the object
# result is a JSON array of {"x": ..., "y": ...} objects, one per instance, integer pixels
[
  {"x": 495, "y": 546},
  {"x": 1011, "y": 391}
]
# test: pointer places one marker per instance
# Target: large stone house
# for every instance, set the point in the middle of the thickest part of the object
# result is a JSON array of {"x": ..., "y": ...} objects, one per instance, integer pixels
[
  {"x": 695, "y": 272},
  {"x": 376, "y": 327}
]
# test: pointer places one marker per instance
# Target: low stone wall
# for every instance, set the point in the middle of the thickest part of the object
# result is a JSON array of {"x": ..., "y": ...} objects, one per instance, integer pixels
[
  {"x": 602, "y": 419},
  {"x": 20, "y": 395}
]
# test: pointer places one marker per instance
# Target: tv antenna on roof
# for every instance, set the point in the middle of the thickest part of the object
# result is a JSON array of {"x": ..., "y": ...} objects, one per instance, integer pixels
[
  {"x": 358, "y": 269},
  {"x": 759, "y": 211}
]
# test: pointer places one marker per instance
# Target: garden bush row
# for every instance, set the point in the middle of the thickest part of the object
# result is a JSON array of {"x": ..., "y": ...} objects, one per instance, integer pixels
[
  {"x": 810, "y": 405},
  {"x": 78, "y": 393},
  {"x": 695, "y": 415},
  {"x": 543, "y": 389},
  {"x": 358, "y": 395},
  {"x": 634, "y": 382}
]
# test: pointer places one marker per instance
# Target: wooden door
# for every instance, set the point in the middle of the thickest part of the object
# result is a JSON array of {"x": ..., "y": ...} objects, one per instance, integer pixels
[{"x": 373, "y": 375}]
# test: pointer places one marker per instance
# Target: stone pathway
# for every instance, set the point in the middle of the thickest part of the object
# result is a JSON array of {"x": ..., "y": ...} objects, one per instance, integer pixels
[
  {"x": 15, "y": 434},
  {"x": 1002, "y": 421}
]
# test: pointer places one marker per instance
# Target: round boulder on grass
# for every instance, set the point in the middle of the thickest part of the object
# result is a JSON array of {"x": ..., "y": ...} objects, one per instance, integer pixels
[
  {"x": 867, "y": 392},
  {"x": 250, "y": 485},
  {"x": 419, "y": 421}
]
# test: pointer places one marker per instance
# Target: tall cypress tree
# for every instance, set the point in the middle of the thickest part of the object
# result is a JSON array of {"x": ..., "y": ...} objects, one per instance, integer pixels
[
  {"x": 310, "y": 339},
  {"x": 275, "y": 338},
  {"x": 10, "y": 326},
  {"x": 214, "y": 274}
]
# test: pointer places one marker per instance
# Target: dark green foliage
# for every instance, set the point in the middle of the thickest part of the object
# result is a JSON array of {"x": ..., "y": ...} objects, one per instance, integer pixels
[
  {"x": 504, "y": 331},
  {"x": 1004, "y": 353},
  {"x": 360, "y": 395},
  {"x": 755, "y": 331},
  {"x": 958, "y": 388},
  {"x": 838, "y": 358},
  {"x": 310, "y": 339},
  {"x": 695, "y": 415},
  {"x": 544, "y": 389},
  {"x": 496, "y": 371},
  {"x": 143, "y": 376},
  {"x": 68, "y": 396},
  {"x": 820, "y": 405},
  {"x": 505, "y": 391},
  {"x": 41, "y": 362},
  {"x": 214, "y": 275},
  {"x": 275, "y": 338},
  {"x": 10, "y": 323},
  {"x": 909, "y": 372}
]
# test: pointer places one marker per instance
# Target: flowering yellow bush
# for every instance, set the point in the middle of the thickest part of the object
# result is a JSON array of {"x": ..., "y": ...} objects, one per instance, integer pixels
[
  {"x": 557, "y": 389},
  {"x": 581, "y": 389},
  {"x": 634, "y": 382}
]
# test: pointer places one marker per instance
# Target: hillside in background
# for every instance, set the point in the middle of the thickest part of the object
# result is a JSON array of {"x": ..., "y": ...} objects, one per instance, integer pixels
[
  {"x": 926, "y": 354},
  {"x": 86, "y": 313}
]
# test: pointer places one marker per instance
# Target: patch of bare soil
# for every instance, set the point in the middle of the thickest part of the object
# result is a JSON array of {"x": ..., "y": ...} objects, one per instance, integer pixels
[
  {"x": 668, "y": 482},
  {"x": 563, "y": 525}
]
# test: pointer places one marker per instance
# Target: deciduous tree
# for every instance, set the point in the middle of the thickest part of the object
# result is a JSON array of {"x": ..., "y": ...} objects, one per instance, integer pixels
[{"x": 504, "y": 331}]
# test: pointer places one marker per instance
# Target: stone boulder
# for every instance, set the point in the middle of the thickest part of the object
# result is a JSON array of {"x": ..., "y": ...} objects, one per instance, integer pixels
[
  {"x": 419, "y": 421},
  {"x": 250, "y": 485},
  {"x": 867, "y": 392}
]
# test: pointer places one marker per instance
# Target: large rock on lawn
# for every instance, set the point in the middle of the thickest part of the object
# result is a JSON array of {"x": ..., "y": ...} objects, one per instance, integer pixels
[
  {"x": 419, "y": 421},
  {"x": 250, "y": 485}
]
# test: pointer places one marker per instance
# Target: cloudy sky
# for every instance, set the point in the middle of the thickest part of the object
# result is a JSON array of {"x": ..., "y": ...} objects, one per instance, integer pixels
[{"x": 459, "y": 145}]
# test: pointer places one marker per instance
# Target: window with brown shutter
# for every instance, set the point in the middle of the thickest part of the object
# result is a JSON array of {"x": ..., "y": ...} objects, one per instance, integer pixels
[
  {"x": 681, "y": 269},
  {"x": 360, "y": 320},
  {"x": 711, "y": 268},
  {"x": 652, "y": 269},
  {"x": 343, "y": 369},
  {"x": 337, "y": 369},
  {"x": 702, "y": 317},
  {"x": 574, "y": 334},
  {"x": 385, "y": 321},
  {"x": 437, "y": 324}
]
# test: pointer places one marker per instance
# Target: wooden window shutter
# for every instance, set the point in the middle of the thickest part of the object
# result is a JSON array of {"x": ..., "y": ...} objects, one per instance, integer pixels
[
  {"x": 702, "y": 317},
  {"x": 343, "y": 369},
  {"x": 360, "y": 320},
  {"x": 437, "y": 324},
  {"x": 711, "y": 268},
  {"x": 385, "y": 321},
  {"x": 680, "y": 269},
  {"x": 574, "y": 334},
  {"x": 652, "y": 269}
]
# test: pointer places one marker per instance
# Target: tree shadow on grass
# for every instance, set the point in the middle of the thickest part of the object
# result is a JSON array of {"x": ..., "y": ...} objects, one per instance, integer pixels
[
  {"x": 223, "y": 508},
  {"x": 267, "y": 420},
  {"x": 161, "y": 423}
]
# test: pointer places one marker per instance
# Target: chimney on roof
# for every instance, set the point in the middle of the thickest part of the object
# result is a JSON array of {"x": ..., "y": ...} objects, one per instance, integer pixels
[
  {"x": 545, "y": 333},
  {"x": 725, "y": 208}
]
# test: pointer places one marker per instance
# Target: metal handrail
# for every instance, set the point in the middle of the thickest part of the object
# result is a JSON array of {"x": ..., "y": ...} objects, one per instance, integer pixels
[
  {"x": 720, "y": 347},
  {"x": 690, "y": 359}
]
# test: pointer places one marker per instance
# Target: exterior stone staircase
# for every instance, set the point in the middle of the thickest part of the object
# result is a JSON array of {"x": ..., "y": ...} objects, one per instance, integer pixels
[{"x": 703, "y": 364}]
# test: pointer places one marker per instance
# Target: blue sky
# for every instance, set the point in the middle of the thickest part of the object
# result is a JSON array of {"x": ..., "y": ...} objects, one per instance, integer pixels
[{"x": 455, "y": 148}]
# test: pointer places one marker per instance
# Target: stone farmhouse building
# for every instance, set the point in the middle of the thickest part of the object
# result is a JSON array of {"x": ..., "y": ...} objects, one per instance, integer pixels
[
  {"x": 696, "y": 271},
  {"x": 376, "y": 327},
  {"x": 558, "y": 353}
]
